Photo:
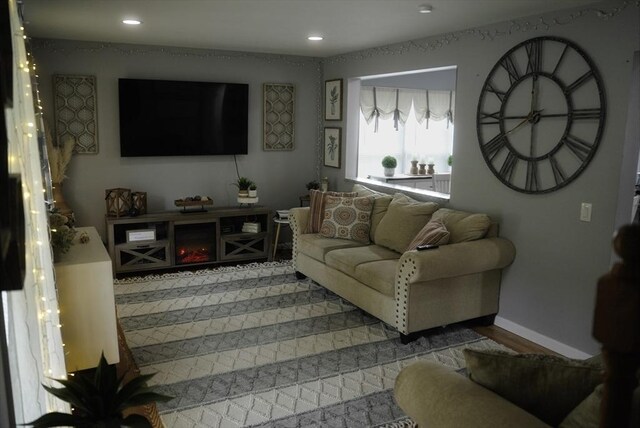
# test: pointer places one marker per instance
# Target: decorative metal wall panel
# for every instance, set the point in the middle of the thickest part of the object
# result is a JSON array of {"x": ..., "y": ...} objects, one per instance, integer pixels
[
  {"x": 279, "y": 115},
  {"x": 76, "y": 116}
]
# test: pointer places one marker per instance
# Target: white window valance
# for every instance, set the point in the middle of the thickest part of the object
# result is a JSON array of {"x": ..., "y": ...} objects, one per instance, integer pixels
[{"x": 379, "y": 102}]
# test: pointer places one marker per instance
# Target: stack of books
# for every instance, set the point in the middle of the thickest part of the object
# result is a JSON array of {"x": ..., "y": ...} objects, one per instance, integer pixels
[{"x": 249, "y": 227}]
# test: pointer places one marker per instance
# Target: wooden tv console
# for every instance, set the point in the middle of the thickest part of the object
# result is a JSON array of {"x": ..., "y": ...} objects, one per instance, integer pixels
[{"x": 173, "y": 239}]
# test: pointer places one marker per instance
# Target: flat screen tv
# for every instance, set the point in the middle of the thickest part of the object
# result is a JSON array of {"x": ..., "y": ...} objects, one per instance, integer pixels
[{"x": 173, "y": 118}]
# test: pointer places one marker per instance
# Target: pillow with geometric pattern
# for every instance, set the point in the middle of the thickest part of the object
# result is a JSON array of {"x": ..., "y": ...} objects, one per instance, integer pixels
[
  {"x": 347, "y": 218},
  {"x": 316, "y": 208}
]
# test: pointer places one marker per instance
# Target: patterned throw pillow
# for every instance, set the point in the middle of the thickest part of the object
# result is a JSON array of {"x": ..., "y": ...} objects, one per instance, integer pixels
[
  {"x": 316, "y": 208},
  {"x": 347, "y": 218},
  {"x": 433, "y": 233}
]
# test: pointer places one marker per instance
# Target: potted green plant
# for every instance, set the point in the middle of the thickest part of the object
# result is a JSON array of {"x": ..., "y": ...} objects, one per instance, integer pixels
[
  {"x": 313, "y": 185},
  {"x": 253, "y": 190},
  {"x": 243, "y": 184},
  {"x": 450, "y": 161},
  {"x": 389, "y": 164},
  {"x": 100, "y": 400}
]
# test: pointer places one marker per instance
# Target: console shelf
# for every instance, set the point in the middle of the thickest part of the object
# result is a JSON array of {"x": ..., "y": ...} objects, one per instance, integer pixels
[{"x": 173, "y": 239}]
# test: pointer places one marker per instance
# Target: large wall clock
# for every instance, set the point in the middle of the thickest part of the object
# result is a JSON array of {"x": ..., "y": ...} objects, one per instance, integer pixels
[{"x": 540, "y": 115}]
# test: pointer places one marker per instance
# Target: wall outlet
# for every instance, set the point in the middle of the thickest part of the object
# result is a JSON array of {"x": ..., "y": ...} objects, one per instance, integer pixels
[{"x": 585, "y": 211}]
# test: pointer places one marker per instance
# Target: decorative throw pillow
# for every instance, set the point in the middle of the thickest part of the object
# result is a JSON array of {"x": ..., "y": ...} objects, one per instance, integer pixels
[
  {"x": 433, "y": 233},
  {"x": 316, "y": 208},
  {"x": 546, "y": 386},
  {"x": 347, "y": 218},
  {"x": 463, "y": 226},
  {"x": 587, "y": 413},
  {"x": 402, "y": 222}
]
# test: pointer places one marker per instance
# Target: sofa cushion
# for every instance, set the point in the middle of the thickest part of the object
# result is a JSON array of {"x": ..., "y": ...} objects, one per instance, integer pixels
[
  {"x": 379, "y": 275},
  {"x": 316, "y": 246},
  {"x": 433, "y": 233},
  {"x": 463, "y": 226},
  {"x": 373, "y": 265},
  {"x": 346, "y": 260},
  {"x": 402, "y": 222},
  {"x": 380, "y": 206},
  {"x": 347, "y": 218},
  {"x": 546, "y": 386},
  {"x": 316, "y": 208}
]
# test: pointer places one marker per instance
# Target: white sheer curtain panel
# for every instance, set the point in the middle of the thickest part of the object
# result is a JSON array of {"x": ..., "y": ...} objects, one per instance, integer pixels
[
  {"x": 434, "y": 105},
  {"x": 384, "y": 103}
]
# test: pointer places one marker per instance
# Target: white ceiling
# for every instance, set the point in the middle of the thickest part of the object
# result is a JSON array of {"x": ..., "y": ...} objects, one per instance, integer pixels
[{"x": 274, "y": 26}]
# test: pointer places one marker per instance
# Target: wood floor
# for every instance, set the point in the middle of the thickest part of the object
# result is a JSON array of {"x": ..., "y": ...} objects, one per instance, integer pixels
[{"x": 510, "y": 340}]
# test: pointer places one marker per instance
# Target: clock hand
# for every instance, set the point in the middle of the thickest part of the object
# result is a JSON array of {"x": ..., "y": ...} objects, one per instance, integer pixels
[
  {"x": 530, "y": 118},
  {"x": 517, "y": 126}
]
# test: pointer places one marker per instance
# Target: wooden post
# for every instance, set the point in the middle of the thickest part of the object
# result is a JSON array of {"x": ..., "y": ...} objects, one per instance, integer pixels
[{"x": 616, "y": 325}]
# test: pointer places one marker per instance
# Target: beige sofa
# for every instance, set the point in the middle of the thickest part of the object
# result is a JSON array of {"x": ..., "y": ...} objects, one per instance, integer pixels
[{"x": 412, "y": 291}]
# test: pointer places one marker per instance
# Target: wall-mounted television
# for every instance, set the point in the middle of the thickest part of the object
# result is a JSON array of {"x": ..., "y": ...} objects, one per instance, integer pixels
[{"x": 176, "y": 118}]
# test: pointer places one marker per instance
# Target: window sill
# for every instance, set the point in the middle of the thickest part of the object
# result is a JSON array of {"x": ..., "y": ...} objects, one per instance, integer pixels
[{"x": 420, "y": 194}]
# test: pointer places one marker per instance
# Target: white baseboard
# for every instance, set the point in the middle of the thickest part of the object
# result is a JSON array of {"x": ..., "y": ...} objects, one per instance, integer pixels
[{"x": 541, "y": 339}]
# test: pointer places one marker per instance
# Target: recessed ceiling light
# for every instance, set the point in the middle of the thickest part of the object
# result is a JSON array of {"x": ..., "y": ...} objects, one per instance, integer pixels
[
  {"x": 131, "y": 21},
  {"x": 425, "y": 8},
  {"x": 315, "y": 38}
]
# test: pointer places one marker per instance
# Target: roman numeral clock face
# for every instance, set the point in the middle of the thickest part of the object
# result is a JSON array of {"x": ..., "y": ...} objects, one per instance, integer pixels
[{"x": 541, "y": 115}]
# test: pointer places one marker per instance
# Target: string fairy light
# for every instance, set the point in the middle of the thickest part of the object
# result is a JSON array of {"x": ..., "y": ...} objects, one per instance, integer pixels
[{"x": 40, "y": 365}]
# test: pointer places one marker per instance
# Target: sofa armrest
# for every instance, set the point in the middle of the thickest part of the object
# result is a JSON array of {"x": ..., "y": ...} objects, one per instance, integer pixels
[
  {"x": 298, "y": 219},
  {"x": 436, "y": 396},
  {"x": 459, "y": 259}
]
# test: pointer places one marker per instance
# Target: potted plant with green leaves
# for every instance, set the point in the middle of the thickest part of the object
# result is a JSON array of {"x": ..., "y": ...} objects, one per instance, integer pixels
[
  {"x": 253, "y": 190},
  {"x": 389, "y": 164},
  {"x": 243, "y": 184},
  {"x": 313, "y": 185},
  {"x": 99, "y": 400}
]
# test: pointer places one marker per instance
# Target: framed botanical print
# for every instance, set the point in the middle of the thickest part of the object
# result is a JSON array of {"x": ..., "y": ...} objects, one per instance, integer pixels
[
  {"x": 332, "y": 147},
  {"x": 333, "y": 99}
]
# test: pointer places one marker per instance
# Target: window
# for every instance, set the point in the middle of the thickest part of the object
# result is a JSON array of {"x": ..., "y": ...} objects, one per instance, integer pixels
[
  {"x": 408, "y": 116},
  {"x": 411, "y": 141}
]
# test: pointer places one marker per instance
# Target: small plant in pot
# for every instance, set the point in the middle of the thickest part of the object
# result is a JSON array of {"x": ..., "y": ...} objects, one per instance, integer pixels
[
  {"x": 313, "y": 185},
  {"x": 243, "y": 184},
  {"x": 100, "y": 400},
  {"x": 389, "y": 164},
  {"x": 253, "y": 190}
]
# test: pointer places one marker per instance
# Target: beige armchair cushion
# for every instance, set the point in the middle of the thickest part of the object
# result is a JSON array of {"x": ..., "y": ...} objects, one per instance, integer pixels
[
  {"x": 402, "y": 222},
  {"x": 435, "y": 396},
  {"x": 546, "y": 386}
]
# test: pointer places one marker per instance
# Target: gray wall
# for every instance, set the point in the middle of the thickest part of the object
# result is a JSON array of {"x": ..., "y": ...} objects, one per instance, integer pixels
[
  {"x": 281, "y": 176},
  {"x": 549, "y": 290}
]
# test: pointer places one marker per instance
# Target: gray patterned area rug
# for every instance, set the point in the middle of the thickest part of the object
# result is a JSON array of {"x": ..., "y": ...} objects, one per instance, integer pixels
[{"x": 254, "y": 346}]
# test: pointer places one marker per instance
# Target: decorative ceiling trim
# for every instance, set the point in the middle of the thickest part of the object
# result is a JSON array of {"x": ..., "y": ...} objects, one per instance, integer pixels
[
  {"x": 489, "y": 33},
  {"x": 73, "y": 46}
]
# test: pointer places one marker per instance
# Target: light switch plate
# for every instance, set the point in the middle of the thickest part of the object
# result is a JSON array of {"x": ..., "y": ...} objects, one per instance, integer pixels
[{"x": 585, "y": 211}]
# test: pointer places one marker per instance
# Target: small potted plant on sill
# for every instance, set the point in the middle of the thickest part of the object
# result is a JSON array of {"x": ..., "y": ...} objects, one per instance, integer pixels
[
  {"x": 389, "y": 164},
  {"x": 243, "y": 184},
  {"x": 253, "y": 190}
]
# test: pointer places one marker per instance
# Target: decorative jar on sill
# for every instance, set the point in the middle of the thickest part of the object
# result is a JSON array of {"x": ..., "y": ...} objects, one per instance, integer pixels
[{"x": 414, "y": 167}]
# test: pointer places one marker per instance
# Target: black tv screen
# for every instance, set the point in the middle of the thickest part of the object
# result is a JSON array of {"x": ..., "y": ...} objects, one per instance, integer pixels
[{"x": 172, "y": 118}]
